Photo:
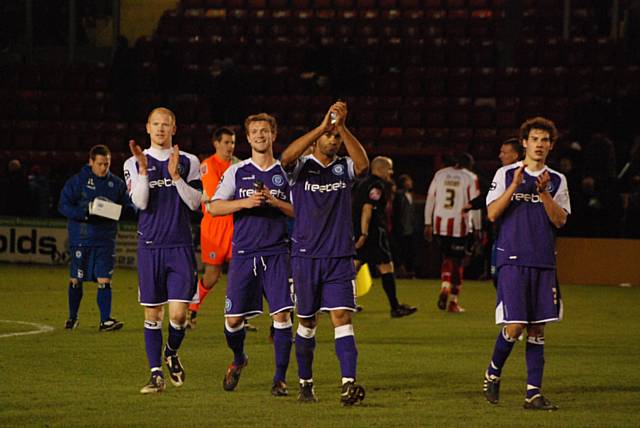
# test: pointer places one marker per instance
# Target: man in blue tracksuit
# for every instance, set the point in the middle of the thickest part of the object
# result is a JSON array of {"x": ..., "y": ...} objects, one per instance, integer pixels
[{"x": 91, "y": 237}]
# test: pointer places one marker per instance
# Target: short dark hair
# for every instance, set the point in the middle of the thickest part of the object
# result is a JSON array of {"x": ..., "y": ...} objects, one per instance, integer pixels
[
  {"x": 403, "y": 179},
  {"x": 99, "y": 150},
  {"x": 516, "y": 144},
  {"x": 223, "y": 130},
  {"x": 540, "y": 123}
]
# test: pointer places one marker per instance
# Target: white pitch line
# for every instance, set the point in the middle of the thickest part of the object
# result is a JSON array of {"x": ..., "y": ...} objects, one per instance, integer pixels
[{"x": 41, "y": 328}]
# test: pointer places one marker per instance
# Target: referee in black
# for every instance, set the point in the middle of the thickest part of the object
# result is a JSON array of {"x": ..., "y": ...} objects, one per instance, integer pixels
[{"x": 372, "y": 244}]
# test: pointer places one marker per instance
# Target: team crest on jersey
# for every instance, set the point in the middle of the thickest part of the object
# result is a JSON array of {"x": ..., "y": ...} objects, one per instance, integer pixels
[
  {"x": 227, "y": 305},
  {"x": 180, "y": 169},
  {"x": 212, "y": 255},
  {"x": 493, "y": 185},
  {"x": 277, "y": 180},
  {"x": 375, "y": 194},
  {"x": 110, "y": 184},
  {"x": 78, "y": 254},
  {"x": 203, "y": 169},
  {"x": 338, "y": 169},
  {"x": 550, "y": 187}
]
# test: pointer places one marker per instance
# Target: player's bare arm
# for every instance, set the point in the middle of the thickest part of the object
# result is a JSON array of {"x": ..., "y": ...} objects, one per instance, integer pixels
[
  {"x": 136, "y": 151},
  {"x": 498, "y": 207},
  {"x": 301, "y": 144},
  {"x": 557, "y": 215},
  {"x": 354, "y": 148},
  {"x": 284, "y": 206},
  {"x": 220, "y": 207},
  {"x": 365, "y": 220}
]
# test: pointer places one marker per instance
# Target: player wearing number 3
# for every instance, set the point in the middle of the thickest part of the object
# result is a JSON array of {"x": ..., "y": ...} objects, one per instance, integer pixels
[{"x": 444, "y": 216}]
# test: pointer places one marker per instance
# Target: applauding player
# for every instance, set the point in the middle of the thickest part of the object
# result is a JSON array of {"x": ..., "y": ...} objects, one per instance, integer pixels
[
  {"x": 323, "y": 247},
  {"x": 164, "y": 184},
  {"x": 530, "y": 202}
]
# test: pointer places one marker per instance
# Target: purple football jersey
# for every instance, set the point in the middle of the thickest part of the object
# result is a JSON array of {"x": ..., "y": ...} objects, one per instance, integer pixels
[
  {"x": 321, "y": 198},
  {"x": 262, "y": 230},
  {"x": 166, "y": 222},
  {"x": 527, "y": 236}
]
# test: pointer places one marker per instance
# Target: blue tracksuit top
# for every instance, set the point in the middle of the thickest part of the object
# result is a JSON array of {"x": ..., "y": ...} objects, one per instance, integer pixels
[{"x": 77, "y": 193}]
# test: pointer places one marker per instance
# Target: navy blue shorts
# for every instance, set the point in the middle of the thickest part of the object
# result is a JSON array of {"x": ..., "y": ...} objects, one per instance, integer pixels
[{"x": 91, "y": 263}]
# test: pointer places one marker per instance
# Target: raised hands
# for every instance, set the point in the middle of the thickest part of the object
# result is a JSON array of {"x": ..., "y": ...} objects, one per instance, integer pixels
[
  {"x": 136, "y": 151},
  {"x": 518, "y": 175},
  {"x": 339, "y": 112},
  {"x": 174, "y": 159},
  {"x": 542, "y": 182}
]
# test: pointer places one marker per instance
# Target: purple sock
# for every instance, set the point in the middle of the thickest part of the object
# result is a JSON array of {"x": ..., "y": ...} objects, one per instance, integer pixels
[
  {"x": 153, "y": 343},
  {"x": 75, "y": 297},
  {"x": 176, "y": 335},
  {"x": 534, "y": 353},
  {"x": 501, "y": 350},
  {"x": 305, "y": 348},
  {"x": 282, "y": 341},
  {"x": 235, "y": 341},
  {"x": 347, "y": 355}
]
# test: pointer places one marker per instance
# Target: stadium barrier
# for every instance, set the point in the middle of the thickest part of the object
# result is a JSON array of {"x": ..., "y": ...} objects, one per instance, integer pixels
[
  {"x": 580, "y": 260},
  {"x": 598, "y": 261}
]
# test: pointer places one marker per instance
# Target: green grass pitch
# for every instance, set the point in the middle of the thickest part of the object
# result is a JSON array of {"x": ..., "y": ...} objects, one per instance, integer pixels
[{"x": 424, "y": 370}]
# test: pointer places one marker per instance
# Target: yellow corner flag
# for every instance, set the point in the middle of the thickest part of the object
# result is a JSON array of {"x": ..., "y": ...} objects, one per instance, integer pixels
[{"x": 363, "y": 280}]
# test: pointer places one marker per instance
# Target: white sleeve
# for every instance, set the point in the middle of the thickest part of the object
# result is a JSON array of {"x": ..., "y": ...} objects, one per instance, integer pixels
[
  {"x": 138, "y": 185},
  {"x": 190, "y": 196},
  {"x": 227, "y": 186},
  {"x": 497, "y": 186},
  {"x": 562, "y": 195},
  {"x": 431, "y": 202}
]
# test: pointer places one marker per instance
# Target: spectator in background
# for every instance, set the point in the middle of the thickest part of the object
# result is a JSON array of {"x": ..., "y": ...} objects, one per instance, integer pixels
[
  {"x": 632, "y": 212},
  {"x": 17, "y": 199},
  {"x": 39, "y": 190},
  {"x": 404, "y": 226},
  {"x": 598, "y": 212},
  {"x": 600, "y": 159},
  {"x": 121, "y": 83}
]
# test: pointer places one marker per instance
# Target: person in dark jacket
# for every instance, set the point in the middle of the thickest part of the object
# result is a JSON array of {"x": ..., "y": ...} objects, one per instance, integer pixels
[{"x": 92, "y": 237}]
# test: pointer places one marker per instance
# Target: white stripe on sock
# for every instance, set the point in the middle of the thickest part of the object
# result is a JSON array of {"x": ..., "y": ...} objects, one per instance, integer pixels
[
  {"x": 233, "y": 329},
  {"x": 282, "y": 325},
  {"x": 344, "y": 331},
  {"x": 306, "y": 332}
]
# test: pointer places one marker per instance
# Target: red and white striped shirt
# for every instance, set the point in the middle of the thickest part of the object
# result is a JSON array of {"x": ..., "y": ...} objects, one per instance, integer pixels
[{"x": 451, "y": 189}]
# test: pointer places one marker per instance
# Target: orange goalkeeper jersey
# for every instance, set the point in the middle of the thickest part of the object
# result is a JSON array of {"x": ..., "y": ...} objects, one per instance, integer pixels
[{"x": 215, "y": 232}]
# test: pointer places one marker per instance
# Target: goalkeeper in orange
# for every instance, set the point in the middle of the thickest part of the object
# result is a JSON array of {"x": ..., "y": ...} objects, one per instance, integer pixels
[{"x": 215, "y": 232}]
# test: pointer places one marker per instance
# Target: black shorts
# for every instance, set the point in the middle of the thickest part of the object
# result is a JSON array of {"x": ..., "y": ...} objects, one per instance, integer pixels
[
  {"x": 452, "y": 247},
  {"x": 376, "y": 249}
]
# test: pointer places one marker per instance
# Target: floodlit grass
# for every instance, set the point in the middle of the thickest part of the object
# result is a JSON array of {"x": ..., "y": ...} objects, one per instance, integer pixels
[{"x": 425, "y": 370}]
